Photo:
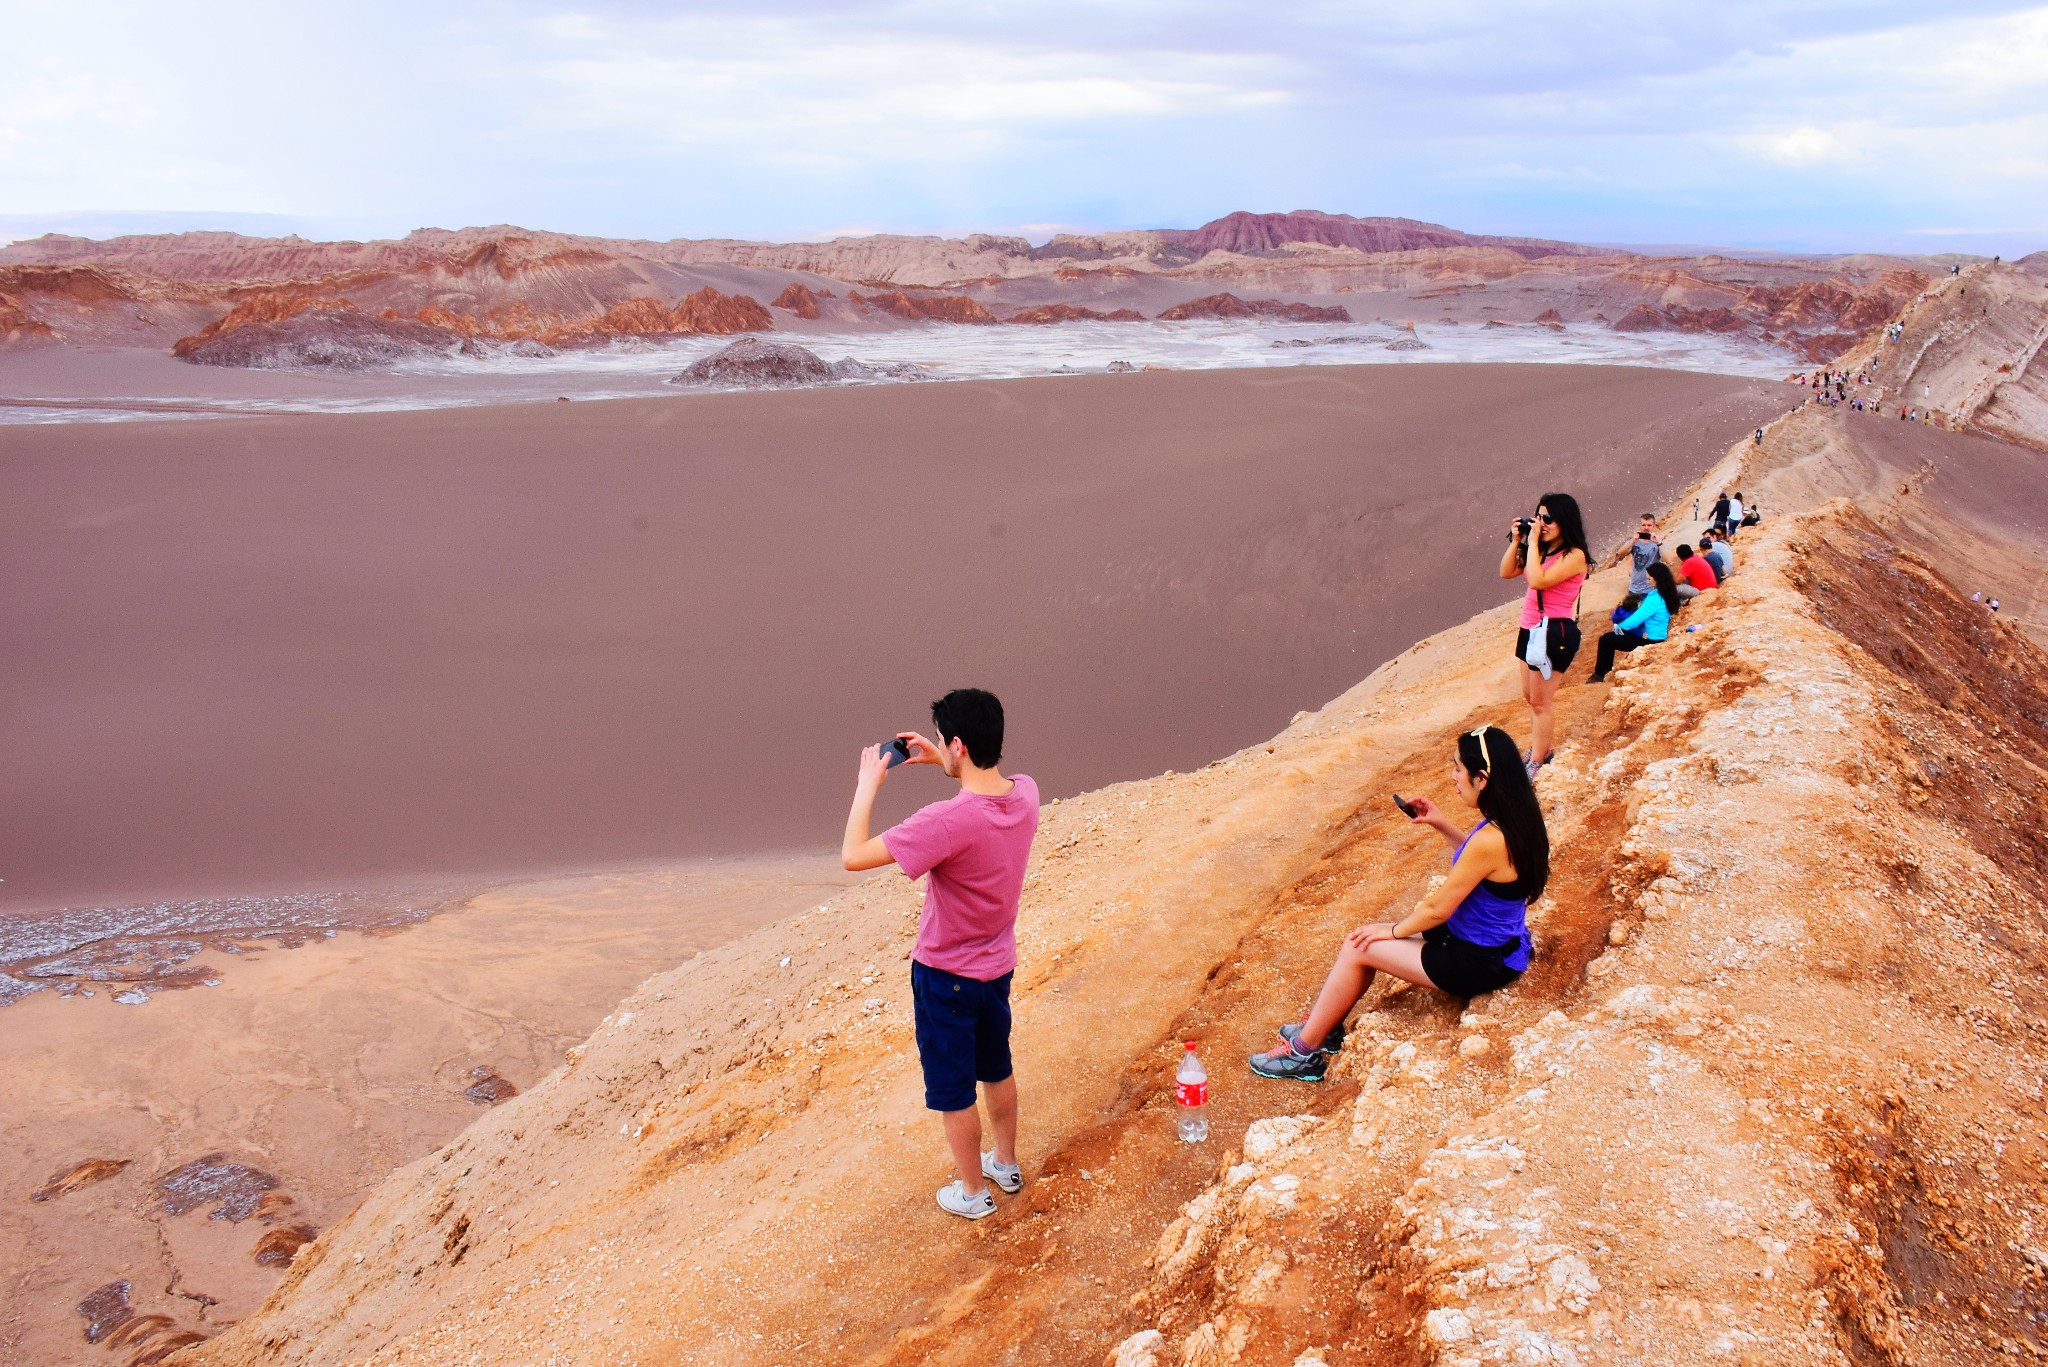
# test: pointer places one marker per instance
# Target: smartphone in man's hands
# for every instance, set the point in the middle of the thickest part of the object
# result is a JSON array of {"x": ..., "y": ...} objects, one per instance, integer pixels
[{"x": 894, "y": 752}]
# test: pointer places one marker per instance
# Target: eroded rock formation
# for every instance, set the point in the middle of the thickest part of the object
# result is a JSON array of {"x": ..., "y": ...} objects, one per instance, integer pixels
[
  {"x": 1230, "y": 306},
  {"x": 798, "y": 299},
  {"x": 319, "y": 334},
  {"x": 709, "y": 312},
  {"x": 1073, "y": 313},
  {"x": 1251, "y": 234},
  {"x": 752, "y": 363},
  {"x": 510, "y": 284},
  {"x": 926, "y": 308}
]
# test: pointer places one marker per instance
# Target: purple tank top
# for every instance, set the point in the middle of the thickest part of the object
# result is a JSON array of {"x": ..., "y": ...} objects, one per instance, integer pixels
[{"x": 1487, "y": 919}]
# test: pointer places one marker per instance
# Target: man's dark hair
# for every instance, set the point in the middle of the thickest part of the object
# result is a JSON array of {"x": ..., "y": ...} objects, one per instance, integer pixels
[
  {"x": 1684, "y": 552},
  {"x": 1646, "y": 517},
  {"x": 973, "y": 717}
]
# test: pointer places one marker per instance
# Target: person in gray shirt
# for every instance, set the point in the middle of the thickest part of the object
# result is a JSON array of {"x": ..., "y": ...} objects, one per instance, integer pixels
[
  {"x": 1643, "y": 553},
  {"x": 1718, "y": 554}
]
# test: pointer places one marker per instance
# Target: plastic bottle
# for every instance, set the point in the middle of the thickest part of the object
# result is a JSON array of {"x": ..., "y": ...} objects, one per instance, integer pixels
[{"x": 1191, "y": 1091}]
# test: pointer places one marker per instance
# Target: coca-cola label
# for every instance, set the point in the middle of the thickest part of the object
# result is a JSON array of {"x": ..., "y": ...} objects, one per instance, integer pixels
[{"x": 1191, "y": 1093}]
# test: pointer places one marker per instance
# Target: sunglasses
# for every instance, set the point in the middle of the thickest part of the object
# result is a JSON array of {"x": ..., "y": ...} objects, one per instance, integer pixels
[{"x": 1546, "y": 518}]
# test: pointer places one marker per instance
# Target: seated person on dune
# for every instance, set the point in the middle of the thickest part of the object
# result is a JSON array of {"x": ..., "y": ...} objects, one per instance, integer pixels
[
  {"x": 1649, "y": 623},
  {"x": 1697, "y": 572},
  {"x": 1469, "y": 936}
]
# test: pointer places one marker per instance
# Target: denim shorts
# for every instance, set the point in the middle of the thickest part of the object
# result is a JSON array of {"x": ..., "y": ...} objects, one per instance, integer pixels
[{"x": 963, "y": 1034}]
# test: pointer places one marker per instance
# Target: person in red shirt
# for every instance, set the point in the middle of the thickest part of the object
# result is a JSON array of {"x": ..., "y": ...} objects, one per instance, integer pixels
[
  {"x": 974, "y": 845},
  {"x": 1697, "y": 573}
]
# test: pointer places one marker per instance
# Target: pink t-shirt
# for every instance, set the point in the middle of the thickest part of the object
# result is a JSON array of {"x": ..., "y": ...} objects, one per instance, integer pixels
[
  {"x": 974, "y": 848},
  {"x": 1559, "y": 600}
]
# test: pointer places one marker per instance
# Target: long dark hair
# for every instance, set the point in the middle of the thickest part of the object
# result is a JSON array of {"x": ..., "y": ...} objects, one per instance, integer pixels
[
  {"x": 1667, "y": 586},
  {"x": 1508, "y": 800},
  {"x": 1571, "y": 527}
]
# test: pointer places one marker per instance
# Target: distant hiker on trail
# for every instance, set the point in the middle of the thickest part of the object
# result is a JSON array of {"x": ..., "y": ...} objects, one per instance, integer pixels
[
  {"x": 1699, "y": 576},
  {"x": 974, "y": 846},
  {"x": 1469, "y": 936},
  {"x": 1759, "y": 436},
  {"x": 1549, "y": 551},
  {"x": 1643, "y": 552},
  {"x": 1647, "y": 625}
]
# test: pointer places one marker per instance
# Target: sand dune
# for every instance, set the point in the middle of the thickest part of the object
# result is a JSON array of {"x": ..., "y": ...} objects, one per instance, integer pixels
[{"x": 269, "y": 654}]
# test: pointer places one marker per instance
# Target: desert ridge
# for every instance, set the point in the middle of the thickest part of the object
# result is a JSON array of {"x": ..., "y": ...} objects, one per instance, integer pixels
[{"x": 1676, "y": 1120}]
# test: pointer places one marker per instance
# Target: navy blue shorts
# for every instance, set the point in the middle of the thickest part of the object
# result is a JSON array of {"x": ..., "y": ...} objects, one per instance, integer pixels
[{"x": 963, "y": 1034}]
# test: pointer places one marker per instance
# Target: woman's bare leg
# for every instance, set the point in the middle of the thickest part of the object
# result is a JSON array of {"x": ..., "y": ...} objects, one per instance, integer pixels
[
  {"x": 1351, "y": 977},
  {"x": 1543, "y": 713}
]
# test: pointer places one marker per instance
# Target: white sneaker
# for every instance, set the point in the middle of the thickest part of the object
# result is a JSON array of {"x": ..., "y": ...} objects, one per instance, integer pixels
[
  {"x": 1008, "y": 1176},
  {"x": 954, "y": 1200}
]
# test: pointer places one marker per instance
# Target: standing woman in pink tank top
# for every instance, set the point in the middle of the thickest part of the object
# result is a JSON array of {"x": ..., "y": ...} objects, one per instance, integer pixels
[{"x": 1550, "y": 553}]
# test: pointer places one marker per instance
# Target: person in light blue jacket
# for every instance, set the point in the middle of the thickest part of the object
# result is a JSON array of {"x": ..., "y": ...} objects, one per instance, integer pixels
[{"x": 1649, "y": 622}]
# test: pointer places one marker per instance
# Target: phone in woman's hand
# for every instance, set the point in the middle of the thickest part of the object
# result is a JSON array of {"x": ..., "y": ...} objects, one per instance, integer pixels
[{"x": 1407, "y": 808}]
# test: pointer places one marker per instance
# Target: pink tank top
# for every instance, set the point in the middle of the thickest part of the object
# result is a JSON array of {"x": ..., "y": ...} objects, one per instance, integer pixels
[{"x": 1559, "y": 600}]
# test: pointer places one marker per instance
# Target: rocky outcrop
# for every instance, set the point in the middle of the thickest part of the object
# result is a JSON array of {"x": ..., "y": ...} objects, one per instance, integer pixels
[
  {"x": 752, "y": 363},
  {"x": 1252, "y": 234},
  {"x": 1641, "y": 318},
  {"x": 709, "y": 312},
  {"x": 1073, "y": 313},
  {"x": 18, "y": 328},
  {"x": 798, "y": 299},
  {"x": 1230, "y": 306},
  {"x": 318, "y": 334},
  {"x": 926, "y": 308},
  {"x": 267, "y": 307}
]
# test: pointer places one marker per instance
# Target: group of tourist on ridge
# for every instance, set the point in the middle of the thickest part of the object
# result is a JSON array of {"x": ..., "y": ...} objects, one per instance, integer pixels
[{"x": 1467, "y": 937}]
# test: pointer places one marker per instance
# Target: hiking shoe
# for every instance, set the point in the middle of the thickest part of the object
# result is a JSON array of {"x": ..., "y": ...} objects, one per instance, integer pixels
[
  {"x": 1008, "y": 1176},
  {"x": 1332, "y": 1042},
  {"x": 1285, "y": 1063},
  {"x": 954, "y": 1200}
]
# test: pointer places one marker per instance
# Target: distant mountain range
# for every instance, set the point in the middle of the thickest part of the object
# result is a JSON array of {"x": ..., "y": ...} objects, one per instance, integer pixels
[{"x": 473, "y": 287}]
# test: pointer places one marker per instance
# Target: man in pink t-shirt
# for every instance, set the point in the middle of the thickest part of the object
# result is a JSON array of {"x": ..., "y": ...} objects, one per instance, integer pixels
[{"x": 974, "y": 846}]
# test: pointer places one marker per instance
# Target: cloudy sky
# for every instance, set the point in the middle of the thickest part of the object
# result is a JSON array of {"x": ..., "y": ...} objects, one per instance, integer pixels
[{"x": 1826, "y": 124}]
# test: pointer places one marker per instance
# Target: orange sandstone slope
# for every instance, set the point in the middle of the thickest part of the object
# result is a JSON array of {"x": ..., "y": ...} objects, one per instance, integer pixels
[{"x": 1772, "y": 1092}]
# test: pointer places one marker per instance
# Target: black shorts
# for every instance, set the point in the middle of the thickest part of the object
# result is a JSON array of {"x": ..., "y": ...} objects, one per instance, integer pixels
[
  {"x": 1560, "y": 658},
  {"x": 1462, "y": 968},
  {"x": 963, "y": 1034}
]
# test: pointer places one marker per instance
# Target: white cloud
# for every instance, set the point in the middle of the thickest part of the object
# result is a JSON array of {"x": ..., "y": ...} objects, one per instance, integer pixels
[{"x": 1827, "y": 121}]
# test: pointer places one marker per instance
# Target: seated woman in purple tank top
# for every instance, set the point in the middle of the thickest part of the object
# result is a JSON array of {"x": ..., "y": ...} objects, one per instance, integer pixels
[{"x": 1468, "y": 937}]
